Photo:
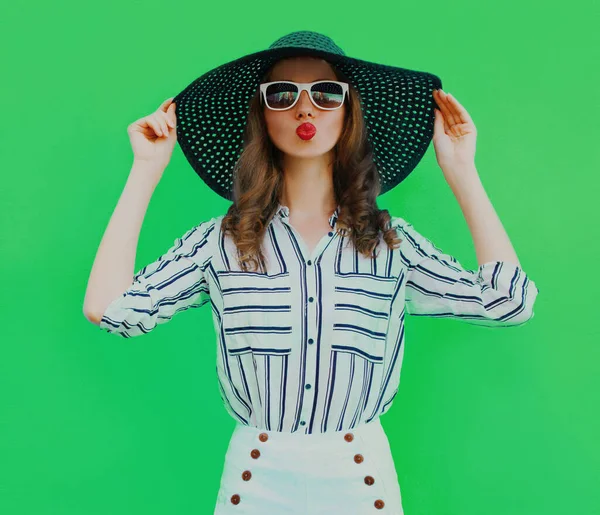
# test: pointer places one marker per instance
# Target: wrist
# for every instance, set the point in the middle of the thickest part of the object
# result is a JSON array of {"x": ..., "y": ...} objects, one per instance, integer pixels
[
  {"x": 461, "y": 175},
  {"x": 148, "y": 169}
]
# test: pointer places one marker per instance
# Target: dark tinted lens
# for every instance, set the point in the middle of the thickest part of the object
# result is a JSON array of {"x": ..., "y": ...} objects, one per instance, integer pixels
[
  {"x": 328, "y": 94},
  {"x": 281, "y": 95}
]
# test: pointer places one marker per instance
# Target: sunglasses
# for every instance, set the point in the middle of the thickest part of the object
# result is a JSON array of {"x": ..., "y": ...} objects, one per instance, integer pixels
[{"x": 325, "y": 94}]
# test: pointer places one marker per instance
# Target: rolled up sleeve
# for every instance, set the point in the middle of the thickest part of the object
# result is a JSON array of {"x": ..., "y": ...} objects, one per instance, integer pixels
[
  {"x": 498, "y": 293},
  {"x": 175, "y": 282}
]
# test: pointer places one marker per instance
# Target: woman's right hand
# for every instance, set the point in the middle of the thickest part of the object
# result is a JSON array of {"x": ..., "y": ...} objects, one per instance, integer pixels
[{"x": 153, "y": 137}]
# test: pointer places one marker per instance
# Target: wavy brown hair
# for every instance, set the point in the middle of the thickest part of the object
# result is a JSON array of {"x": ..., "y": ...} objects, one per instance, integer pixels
[{"x": 258, "y": 184}]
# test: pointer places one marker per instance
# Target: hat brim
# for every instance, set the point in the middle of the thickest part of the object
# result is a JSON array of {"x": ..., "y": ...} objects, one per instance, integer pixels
[{"x": 398, "y": 108}]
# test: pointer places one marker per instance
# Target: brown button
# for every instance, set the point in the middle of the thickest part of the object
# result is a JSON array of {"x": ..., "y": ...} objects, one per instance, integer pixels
[
  {"x": 235, "y": 499},
  {"x": 263, "y": 437},
  {"x": 246, "y": 475},
  {"x": 379, "y": 504},
  {"x": 255, "y": 453},
  {"x": 348, "y": 437},
  {"x": 358, "y": 458},
  {"x": 369, "y": 480}
]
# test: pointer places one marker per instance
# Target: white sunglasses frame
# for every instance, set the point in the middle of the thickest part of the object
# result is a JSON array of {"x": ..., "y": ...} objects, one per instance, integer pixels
[{"x": 301, "y": 87}]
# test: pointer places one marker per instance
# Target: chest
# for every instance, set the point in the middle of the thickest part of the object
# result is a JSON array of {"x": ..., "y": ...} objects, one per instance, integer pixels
[
  {"x": 340, "y": 297},
  {"x": 311, "y": 232},
  {"x": 308, "y": 311}
]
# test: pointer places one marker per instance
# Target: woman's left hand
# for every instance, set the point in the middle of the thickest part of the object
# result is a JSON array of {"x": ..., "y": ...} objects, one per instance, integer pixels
[{"x": 454, "y": 135}]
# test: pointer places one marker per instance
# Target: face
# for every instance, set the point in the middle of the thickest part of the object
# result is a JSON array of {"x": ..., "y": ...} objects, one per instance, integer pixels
[{"x": 281, "y": 125}]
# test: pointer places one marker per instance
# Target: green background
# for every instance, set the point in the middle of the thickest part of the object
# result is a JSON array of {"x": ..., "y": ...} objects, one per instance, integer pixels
[{"x": 486, "y": 421}]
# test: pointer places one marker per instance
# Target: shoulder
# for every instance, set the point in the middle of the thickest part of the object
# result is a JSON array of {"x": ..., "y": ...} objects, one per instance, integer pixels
[
  {"x": 212, "y": 223},
  {"x": 403, "y": 227},
  {"x": 407, "y": 233},
  {"x": 203, "y": 229},
  {"x": 397, "y": 221},
  {"x": 201, "y": 239}
]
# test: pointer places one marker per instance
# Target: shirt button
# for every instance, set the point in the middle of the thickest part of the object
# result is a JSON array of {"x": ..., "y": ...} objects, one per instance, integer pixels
[
  {"x": 310, "y": 299},
  {"x": 309, "y": 262},
  {"x": 330, "y": 233},
  {"x": 307, "y": 387},
  {"x": 302, "y": 423},
  {"x": 310, "y": 340}
]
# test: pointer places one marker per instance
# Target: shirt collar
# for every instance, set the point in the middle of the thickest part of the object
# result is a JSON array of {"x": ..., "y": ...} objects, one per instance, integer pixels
[{"x": 284, "y": 212}]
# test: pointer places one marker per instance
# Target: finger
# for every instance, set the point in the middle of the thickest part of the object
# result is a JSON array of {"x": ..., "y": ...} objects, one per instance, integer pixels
[
  {"x": 453, "y": 107},
  {"x": 439, "y": 102},
  {"x": 142, "y": 123},
  {"x": 166, "y": 122},
  {"x": 169, "y": 117},
  {"x": 165, "y": 105},
  {"x": 164, "y": 131},
  {"x": 460, "y": 111},
  {"x": 438, "y": 121},
  {"x": 446, "y": 108},
  {"x": 155, "y": 124}
]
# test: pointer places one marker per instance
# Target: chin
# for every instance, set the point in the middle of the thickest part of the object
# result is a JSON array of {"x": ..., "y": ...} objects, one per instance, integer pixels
[{"x": 307, "y": 148}]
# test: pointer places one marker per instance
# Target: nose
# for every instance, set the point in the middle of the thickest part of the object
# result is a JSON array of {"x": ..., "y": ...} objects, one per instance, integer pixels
[{"x": 304, "y": 104}]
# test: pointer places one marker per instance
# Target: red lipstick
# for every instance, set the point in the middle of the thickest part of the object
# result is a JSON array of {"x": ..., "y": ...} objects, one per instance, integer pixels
[{"x": 306, "y": 130}]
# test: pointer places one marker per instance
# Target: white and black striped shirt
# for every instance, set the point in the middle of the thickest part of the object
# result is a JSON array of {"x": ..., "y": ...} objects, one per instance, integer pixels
[{"x": 315, "y": 344}]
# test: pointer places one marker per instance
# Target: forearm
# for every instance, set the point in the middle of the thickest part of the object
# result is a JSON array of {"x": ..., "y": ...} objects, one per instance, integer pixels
[
  {"x": 489, "y": 237},
  {"x": 113, "y": 268}
]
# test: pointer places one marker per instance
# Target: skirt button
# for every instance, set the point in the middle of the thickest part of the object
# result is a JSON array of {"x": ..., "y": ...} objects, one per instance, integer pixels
[
  {"x": 246, "y": 475},
  {"x": 255, "y": 453},
  {"x": 348, "y": 437},
  {"x": 369, "y": 480},
  {"x": 379, "y": 504},
  {"x": 235, "y": 499},
  {"x": 263, "y": 437},
  {"x": 358, "y": 458}
]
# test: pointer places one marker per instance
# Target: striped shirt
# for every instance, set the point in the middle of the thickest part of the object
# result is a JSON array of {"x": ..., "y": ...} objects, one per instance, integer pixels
[{"x": 316, "y": 343}]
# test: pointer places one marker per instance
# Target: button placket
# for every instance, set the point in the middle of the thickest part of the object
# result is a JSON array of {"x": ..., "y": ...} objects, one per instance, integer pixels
[
  {"x": 247, "y": 474},
  {"x": 368, "y": 480},
  {"x": 310, "y": 340},
  {"x": 312, "y": 329}
]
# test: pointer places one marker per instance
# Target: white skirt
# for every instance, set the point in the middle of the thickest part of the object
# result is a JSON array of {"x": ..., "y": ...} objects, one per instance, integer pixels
[{"x": 346, "y": 472}]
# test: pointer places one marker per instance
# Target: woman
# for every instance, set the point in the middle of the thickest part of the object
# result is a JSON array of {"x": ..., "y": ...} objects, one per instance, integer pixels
[{"x": 308, "y": 280}]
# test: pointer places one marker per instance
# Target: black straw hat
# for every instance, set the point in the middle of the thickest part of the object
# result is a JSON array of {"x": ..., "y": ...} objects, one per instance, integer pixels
[{"x": 397, "y": 103}]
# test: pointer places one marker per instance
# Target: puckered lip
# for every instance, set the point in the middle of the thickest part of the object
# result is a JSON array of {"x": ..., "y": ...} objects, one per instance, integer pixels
[{"x": 306, "y": 127}]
